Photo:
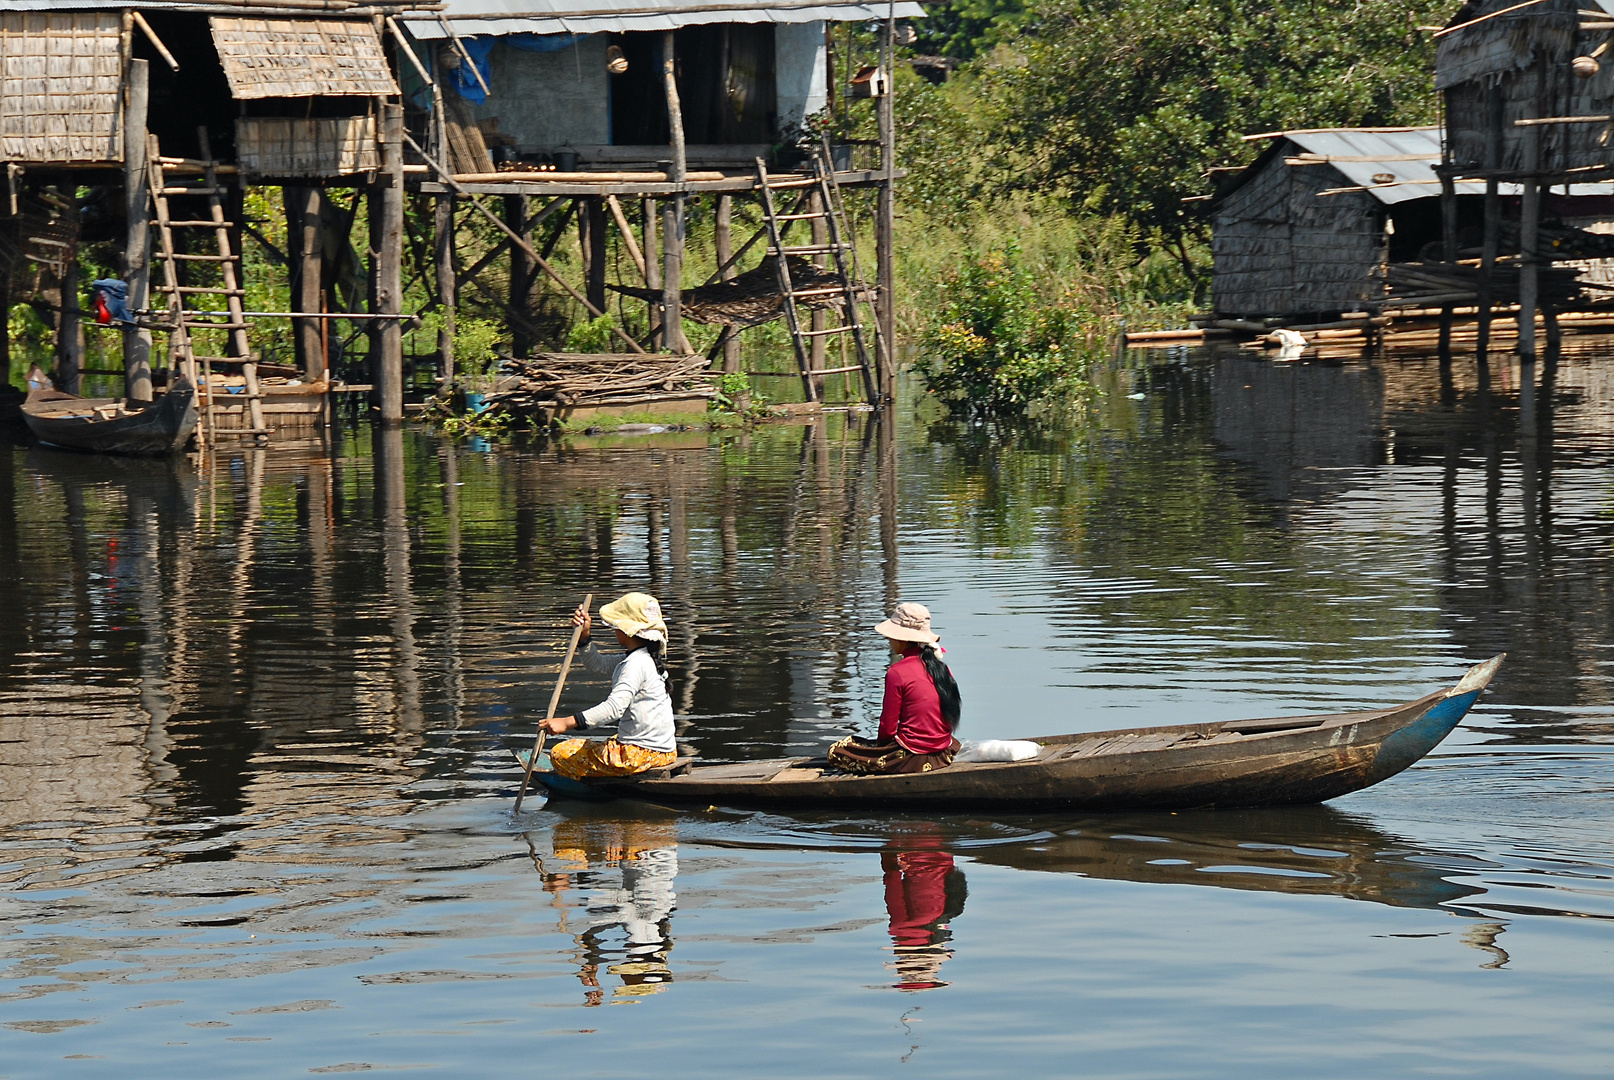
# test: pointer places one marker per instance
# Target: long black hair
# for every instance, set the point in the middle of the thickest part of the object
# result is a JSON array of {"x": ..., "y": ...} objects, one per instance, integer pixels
[
  {"x": 656, "y": 649},
  {"x": 946, "y": 685}
]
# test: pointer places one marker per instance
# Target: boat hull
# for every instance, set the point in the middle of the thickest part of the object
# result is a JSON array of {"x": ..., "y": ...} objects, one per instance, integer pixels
[
  {"x": 72, "y": 422},
  {"x": 1277, "y": 762}
]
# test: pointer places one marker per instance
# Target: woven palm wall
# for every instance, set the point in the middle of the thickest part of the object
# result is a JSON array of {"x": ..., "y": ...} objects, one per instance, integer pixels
[
  {"x": 267, "y": 58},
  {"x": 59, "y": 80}
]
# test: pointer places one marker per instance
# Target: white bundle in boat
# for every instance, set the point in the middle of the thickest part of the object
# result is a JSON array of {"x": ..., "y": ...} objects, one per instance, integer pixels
[{"x": 997, "y": 750}]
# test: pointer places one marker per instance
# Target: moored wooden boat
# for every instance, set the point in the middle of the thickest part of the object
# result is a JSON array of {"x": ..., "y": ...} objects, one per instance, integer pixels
[
  {"x": 1270, "y": 762},
  {"x": 111, "y": 425}
]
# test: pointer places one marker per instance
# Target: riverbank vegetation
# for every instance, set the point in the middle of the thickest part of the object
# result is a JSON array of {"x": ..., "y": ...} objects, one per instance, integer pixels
[{"x": 1065, "y": 142}]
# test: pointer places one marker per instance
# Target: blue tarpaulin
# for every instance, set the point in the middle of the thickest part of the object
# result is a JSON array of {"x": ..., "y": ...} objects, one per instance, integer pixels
[
  {"x": 114, "y": 297},
  {"x": 481, "y": 46}
]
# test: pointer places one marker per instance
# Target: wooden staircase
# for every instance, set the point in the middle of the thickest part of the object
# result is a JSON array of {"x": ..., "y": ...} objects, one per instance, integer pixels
[
  {"x": 839, "y": 247},
  {"x": 193, "y": 179}
]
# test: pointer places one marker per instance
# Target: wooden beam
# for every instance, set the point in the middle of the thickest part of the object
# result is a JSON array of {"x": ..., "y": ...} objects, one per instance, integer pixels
[
  {"x": 628, "y": 241},
  {"x": 156, "y": 42},
  {"x": 523, "y": 270},
  {"x": 672, "y": 219},
  {"x": 885, "y": 229},
  {"x": 304, "y": 230},
  {"x": 447, "y": 287},
  {"x": 389, "y": 292},
  {"x": 725, "y": 271}
]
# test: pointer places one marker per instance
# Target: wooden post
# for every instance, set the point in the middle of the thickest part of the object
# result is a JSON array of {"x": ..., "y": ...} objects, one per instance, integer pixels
[
  {"x": 652, "y": 273},
  {"x": 1493, "y": 224},
  {"x": 447, "y": 285},
  {"x": 819, "y": 319},
  {"x": 389, "y": 275},
  {"x": 672, "y": 221},
  {"x": 885, "y": 225},
  {"x": 1529, "y": 270},
  {"x": 725, "y": 251},
  {"x": 522, "y": 274},
  {"x": 69, "y": 328},
  {"x": 304, "y": 208},
  {"x": 591, "y": 222},
  {"x": 137, "y": 235}
]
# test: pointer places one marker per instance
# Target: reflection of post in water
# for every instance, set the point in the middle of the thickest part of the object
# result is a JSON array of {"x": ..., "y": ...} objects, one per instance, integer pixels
[
  {"x": 681, "y": 587},
  {"x": 156, "y": 696},
  {"x": 454, "y": 621},
  {"x": 924, "y": 892},
  {"x": 625, "y": 872},
  {"x": 246, "y": 549},
  {"x": 392, "y": 495}
]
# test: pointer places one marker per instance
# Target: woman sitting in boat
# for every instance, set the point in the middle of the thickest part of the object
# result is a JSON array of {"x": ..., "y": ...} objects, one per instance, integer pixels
[
  {"x": 638, "y": 704},
  {"x": 921, "y": 708}
]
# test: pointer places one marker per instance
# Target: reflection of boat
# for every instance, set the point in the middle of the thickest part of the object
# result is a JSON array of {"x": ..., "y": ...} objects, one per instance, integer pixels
[
  {"x": 1309, "y": 850},
  {"x": 111, "y": 425},
  {"x": 1288, "y": 760}
]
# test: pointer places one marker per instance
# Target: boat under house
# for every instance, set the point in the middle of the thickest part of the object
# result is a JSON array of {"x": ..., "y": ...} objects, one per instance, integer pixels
[{"x": 141, "y": 126}]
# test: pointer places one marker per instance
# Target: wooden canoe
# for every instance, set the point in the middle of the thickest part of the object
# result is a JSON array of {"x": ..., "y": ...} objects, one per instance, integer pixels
[
  {"x": 111, "y": 425},
  {"x": 1272, "y": 762}
]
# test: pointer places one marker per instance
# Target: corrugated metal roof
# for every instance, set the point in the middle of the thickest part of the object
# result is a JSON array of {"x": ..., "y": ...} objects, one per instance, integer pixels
[
  {"x": 1408, "y": 156},
  {"x": 266, "y": 58},
  {"x": 471, "y": 17}
]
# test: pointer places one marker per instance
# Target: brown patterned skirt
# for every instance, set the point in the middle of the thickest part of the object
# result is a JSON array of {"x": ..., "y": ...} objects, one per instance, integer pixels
[{"x": 867, "y": 758}]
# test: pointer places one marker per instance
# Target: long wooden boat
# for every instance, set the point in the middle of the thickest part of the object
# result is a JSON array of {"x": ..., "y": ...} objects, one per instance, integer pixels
[
  {"x": 1236, "y": 763},
  {"x": 112, "y": 425}
]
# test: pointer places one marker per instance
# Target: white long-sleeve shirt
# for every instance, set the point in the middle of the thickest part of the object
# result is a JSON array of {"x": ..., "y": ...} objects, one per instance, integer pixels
[{"x": 638, "y": 704}]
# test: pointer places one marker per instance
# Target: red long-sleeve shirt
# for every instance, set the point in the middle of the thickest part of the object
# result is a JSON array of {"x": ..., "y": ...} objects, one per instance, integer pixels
[{"x": 911, "y": 713}]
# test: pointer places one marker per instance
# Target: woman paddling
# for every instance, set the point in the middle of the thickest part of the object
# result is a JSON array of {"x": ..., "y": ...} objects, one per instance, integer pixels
[
  {"x": 921, "y": 708},
  {"x": 638, "y": 704}
]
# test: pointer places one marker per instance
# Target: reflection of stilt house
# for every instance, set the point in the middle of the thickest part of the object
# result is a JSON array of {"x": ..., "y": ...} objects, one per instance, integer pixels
[
  {"x": 618, "y": 115},
  {"x": 177, "y": 109},
  {"x": 1327, "y": 224}
]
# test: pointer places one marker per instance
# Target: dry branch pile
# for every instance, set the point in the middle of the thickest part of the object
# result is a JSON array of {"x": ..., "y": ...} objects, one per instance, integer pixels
[
  {"x": 552, "y": 381},
  {"x": 753, "y": 297}
]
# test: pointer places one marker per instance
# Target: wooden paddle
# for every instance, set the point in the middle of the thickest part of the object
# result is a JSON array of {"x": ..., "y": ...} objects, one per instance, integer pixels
[{"x": 554, "y": 702}]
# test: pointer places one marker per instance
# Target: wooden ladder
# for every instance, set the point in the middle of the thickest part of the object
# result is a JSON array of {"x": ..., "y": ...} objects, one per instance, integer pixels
[
  {"x": 848, "y": 285},
  {"x": 181, "y": 343}
]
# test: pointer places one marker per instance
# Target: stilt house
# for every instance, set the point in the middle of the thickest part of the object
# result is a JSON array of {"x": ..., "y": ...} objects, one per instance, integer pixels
[
  {"x": 163, "y": 109},
  {"x": 1315, "y": 226}
]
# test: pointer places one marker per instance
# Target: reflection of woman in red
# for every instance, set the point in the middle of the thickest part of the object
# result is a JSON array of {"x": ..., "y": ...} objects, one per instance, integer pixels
[{"x": 924, "y": 892}]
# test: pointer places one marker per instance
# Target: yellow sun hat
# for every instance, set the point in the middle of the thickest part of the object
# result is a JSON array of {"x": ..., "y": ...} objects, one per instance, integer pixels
[{"x": 637, "y": 615}]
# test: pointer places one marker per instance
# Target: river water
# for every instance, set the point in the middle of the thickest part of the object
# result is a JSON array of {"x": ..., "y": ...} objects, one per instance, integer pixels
[{"x": 255, "y": 791}]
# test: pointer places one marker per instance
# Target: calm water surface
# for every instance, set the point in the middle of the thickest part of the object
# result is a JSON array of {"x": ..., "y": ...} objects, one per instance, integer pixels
[{"x": 255, "y": 791}]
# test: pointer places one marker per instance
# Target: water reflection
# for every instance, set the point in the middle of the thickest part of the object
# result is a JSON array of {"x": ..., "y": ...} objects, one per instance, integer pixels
[
  {"x": 611, "y": 880},
  {"x": 924, "y": 893}
]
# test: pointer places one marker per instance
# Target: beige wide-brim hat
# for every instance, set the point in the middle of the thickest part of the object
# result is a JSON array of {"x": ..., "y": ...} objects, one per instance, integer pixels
[
  {"x": 637, "y": 615},
  {"x": 908, "y": 622}
]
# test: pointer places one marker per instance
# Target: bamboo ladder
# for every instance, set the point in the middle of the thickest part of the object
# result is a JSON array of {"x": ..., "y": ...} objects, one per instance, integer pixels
[
  {"x": 181, "y": 344},
  {"x": 850, "y": 286}
]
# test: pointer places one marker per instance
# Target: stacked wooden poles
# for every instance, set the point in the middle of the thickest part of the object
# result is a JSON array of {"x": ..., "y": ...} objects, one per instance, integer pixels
[
  {"x": 672, "y": 221},
  {"x": 885, "y": 226},
  {"x": 137, "y": 234},
  {"x": 304, "y": 211}
]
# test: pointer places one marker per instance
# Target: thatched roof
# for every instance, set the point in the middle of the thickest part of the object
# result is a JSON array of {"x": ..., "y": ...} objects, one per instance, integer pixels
[
  {"x": 59, "y": 80},
  {"x": 266, "y": 58}
]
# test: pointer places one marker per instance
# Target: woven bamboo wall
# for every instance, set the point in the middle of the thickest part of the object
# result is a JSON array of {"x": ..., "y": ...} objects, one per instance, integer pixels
[
  {"x": 266, "y": 58},
  {"x": 60, "y": 76},
  {"x": 340, "y": 146},
  {"x": 1281, "y": 249}
]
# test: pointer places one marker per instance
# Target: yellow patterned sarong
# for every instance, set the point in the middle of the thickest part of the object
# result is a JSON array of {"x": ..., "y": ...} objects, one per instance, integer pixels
[{"x": 578, "y": 759}]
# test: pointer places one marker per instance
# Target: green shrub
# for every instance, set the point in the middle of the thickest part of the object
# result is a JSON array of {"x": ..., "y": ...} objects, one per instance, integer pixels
[{"x": 998, "y": 346}]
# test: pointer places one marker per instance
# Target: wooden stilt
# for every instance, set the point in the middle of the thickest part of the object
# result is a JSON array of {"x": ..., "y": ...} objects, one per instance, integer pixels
[
  {"x": 652, "y": 271},
  {"x": 592, "y": 222},
  {"x": 673, "y": 216},
  {"x": 724, "y": 238},
  {"x": 1493, "y": 226},
  {"x": 304, "y": 207},
  {"x": 69, "y": 330},
  {"x": 389, "y": 290},
  {"x": 522, "y": 273},
  {"x": 137, "y": 234},
  {"x": 885, "y": 227},
  {"x": 447, "y": 284}
]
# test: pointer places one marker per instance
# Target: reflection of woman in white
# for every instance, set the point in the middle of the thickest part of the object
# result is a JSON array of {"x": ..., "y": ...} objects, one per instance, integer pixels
[{"x": 640, "y": 901}]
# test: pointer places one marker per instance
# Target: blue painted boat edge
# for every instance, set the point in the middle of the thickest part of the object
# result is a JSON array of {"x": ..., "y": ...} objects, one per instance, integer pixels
[
  {"x": 1401, "y": 749},
  {"x": 557, "y": 785}
]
